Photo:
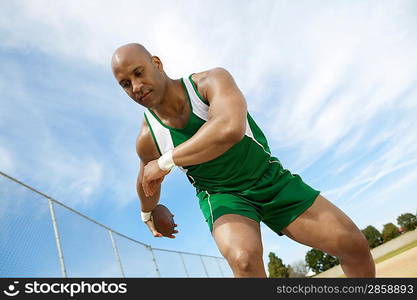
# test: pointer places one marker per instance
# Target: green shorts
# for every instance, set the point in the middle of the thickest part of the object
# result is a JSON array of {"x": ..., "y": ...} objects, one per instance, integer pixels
[{"x": 276, "y": 199}]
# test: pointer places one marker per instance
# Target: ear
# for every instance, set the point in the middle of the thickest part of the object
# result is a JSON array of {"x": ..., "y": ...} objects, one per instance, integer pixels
[{"x": 157, "y": 63}]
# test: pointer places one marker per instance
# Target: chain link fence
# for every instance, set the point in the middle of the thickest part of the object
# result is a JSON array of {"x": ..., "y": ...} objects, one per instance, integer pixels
[{"x": 41, "y": 237}]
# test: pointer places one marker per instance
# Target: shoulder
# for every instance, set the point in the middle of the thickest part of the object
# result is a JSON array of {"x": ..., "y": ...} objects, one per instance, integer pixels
[
  {"x": 211, "y": 80},
  {"x": 145, "y": 145},
  {"x": 210, "y": 74}
]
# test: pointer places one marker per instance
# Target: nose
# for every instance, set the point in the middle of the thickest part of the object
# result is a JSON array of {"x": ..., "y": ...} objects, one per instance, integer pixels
[{"x": 137, "y": 86}]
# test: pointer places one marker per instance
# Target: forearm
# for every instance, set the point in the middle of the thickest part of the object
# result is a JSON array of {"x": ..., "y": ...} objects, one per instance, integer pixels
[
  {"x": 148, "y": 203},
  {"x": 210, "y": 141}
]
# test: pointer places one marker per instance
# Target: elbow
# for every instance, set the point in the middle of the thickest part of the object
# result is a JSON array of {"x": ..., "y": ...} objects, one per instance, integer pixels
[{"x": 233, "y": 134}]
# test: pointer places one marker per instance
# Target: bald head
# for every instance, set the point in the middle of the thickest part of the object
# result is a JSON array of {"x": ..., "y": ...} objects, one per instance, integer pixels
[{"x": 127, "y": 52}]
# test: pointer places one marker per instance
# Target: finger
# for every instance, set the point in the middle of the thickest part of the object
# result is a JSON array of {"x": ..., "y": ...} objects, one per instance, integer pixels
[
  {"x": 148, "y": 189},
  {"x": 154, "y": 185},
  {"x": 156, "y": 233},
  {"x": 175, "y": 225},
  {"x": 145, "y": 188},
  {"x": 152, "y": 228},
  {"x": 175, "y": 231},
  {"x": 151, "y": 189}
]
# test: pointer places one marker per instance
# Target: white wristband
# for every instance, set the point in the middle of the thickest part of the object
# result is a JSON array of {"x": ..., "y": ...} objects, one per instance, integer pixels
[
  {"x": 166, "y": 162},
  {"x": 146, "y": 216}
]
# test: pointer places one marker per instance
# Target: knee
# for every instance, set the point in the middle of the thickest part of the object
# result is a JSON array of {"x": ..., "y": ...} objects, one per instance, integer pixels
[
  {"x": 361, "y": 244},
  {"x": 356, "y": 248},
  {"x": 245, "y": 261}
]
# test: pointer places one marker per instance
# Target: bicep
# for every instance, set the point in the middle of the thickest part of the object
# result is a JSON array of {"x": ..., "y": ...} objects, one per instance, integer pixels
[{"x": 227, "y": 102}]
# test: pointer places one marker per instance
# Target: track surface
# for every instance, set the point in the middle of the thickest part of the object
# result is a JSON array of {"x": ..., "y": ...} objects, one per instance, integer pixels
[{"x": 401, "y": 265}]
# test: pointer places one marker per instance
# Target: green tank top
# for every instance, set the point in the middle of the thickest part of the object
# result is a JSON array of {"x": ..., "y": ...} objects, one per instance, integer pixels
[{"x": 235, "y": 170}]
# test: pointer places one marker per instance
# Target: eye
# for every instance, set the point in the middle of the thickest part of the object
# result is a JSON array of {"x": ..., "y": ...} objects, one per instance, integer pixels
[
  {"x": 125, "y": 84},
  {"x": 137, "y": 73}
]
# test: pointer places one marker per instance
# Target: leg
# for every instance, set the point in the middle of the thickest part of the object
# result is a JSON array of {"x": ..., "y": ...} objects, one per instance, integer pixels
[
  {"x": 239, "y": 241},
  {"x": 325, "y": 227}
]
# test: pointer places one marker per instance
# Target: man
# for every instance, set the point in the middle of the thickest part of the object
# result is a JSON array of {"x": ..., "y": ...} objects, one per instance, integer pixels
[{"x": 200, "y": 123}]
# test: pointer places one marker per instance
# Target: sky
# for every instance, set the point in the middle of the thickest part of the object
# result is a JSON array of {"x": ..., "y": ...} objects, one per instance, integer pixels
[{"x": 332, "y": 84}]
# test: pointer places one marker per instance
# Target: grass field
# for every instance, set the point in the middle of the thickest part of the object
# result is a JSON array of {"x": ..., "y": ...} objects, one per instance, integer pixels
[{"x": 396, "y": 252}]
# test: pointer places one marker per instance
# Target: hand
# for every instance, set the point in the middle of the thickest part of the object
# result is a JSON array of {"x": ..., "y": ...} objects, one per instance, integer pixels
[
  {"x": 155, "y": 232},
  {"x": 152, "y": 176}
]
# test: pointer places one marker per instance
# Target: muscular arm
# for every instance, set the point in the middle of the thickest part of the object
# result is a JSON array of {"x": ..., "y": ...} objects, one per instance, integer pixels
[
  {"x": 147, "y": 151},
  {"x": 226, "y": 122}
]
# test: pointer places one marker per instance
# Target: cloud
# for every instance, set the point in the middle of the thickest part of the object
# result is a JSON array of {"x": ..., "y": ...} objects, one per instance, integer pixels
[
  {"x": 6, "y": 160},
  {"x": 73, "y": 179},
  {"x": 346, "y": 67}
]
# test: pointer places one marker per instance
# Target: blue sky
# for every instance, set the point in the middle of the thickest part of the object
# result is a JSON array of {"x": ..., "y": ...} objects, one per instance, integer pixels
[{"x": 331, "y": 83}]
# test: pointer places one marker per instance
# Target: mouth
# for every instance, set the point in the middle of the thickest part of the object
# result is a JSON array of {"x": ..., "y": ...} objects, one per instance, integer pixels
[{"x": 144, "y": 96}]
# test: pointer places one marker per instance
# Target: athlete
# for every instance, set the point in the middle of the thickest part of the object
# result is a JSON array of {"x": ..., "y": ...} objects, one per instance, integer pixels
[{"x": 200, "y": 123}]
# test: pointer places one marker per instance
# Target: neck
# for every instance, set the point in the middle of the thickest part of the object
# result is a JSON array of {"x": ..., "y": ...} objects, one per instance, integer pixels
[{"x": 172, "y": 103}]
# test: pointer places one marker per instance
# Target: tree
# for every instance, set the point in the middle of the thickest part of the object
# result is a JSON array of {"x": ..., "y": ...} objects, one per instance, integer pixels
[
  {"x": 407, "y": 221},
  {"x": 298, "y": 269},
  {"x": 276, "y": 268},
  {"x": 373, "y": 236},
  {"x": 318, "y": 261},
  {"x": 389, "y": 232}
]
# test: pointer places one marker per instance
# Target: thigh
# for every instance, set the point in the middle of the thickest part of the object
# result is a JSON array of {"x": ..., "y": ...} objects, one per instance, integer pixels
[
  {"x": 235, "y": 234},
  {"x": 323, "y": 226}
]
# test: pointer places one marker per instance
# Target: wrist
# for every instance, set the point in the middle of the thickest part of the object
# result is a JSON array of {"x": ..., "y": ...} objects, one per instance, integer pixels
[
  {"x": 146, "y": 216},
  {"x": 166, "y": 161}
]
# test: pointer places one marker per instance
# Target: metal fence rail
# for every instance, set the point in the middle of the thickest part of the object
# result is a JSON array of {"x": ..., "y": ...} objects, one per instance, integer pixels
[{"x": 45, "y": 238}]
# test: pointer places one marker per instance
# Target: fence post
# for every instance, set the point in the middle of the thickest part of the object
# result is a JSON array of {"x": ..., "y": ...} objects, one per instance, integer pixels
[
  {"x": 218, "y": 264},
  {"x": 154, "y": 261},
  {"x": 183, "y": 262},
  {"x": 116, "y": 253},
  {"x": 204, "y": 266},
  {"x": 57, "y": 239}
]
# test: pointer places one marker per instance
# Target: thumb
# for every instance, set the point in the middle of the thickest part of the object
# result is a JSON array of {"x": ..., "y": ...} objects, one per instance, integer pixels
[{"x": 152, "y": 228}]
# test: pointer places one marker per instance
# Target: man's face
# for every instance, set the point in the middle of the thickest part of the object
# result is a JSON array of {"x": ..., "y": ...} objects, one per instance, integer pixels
[{"x": 140, "y": 75}]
